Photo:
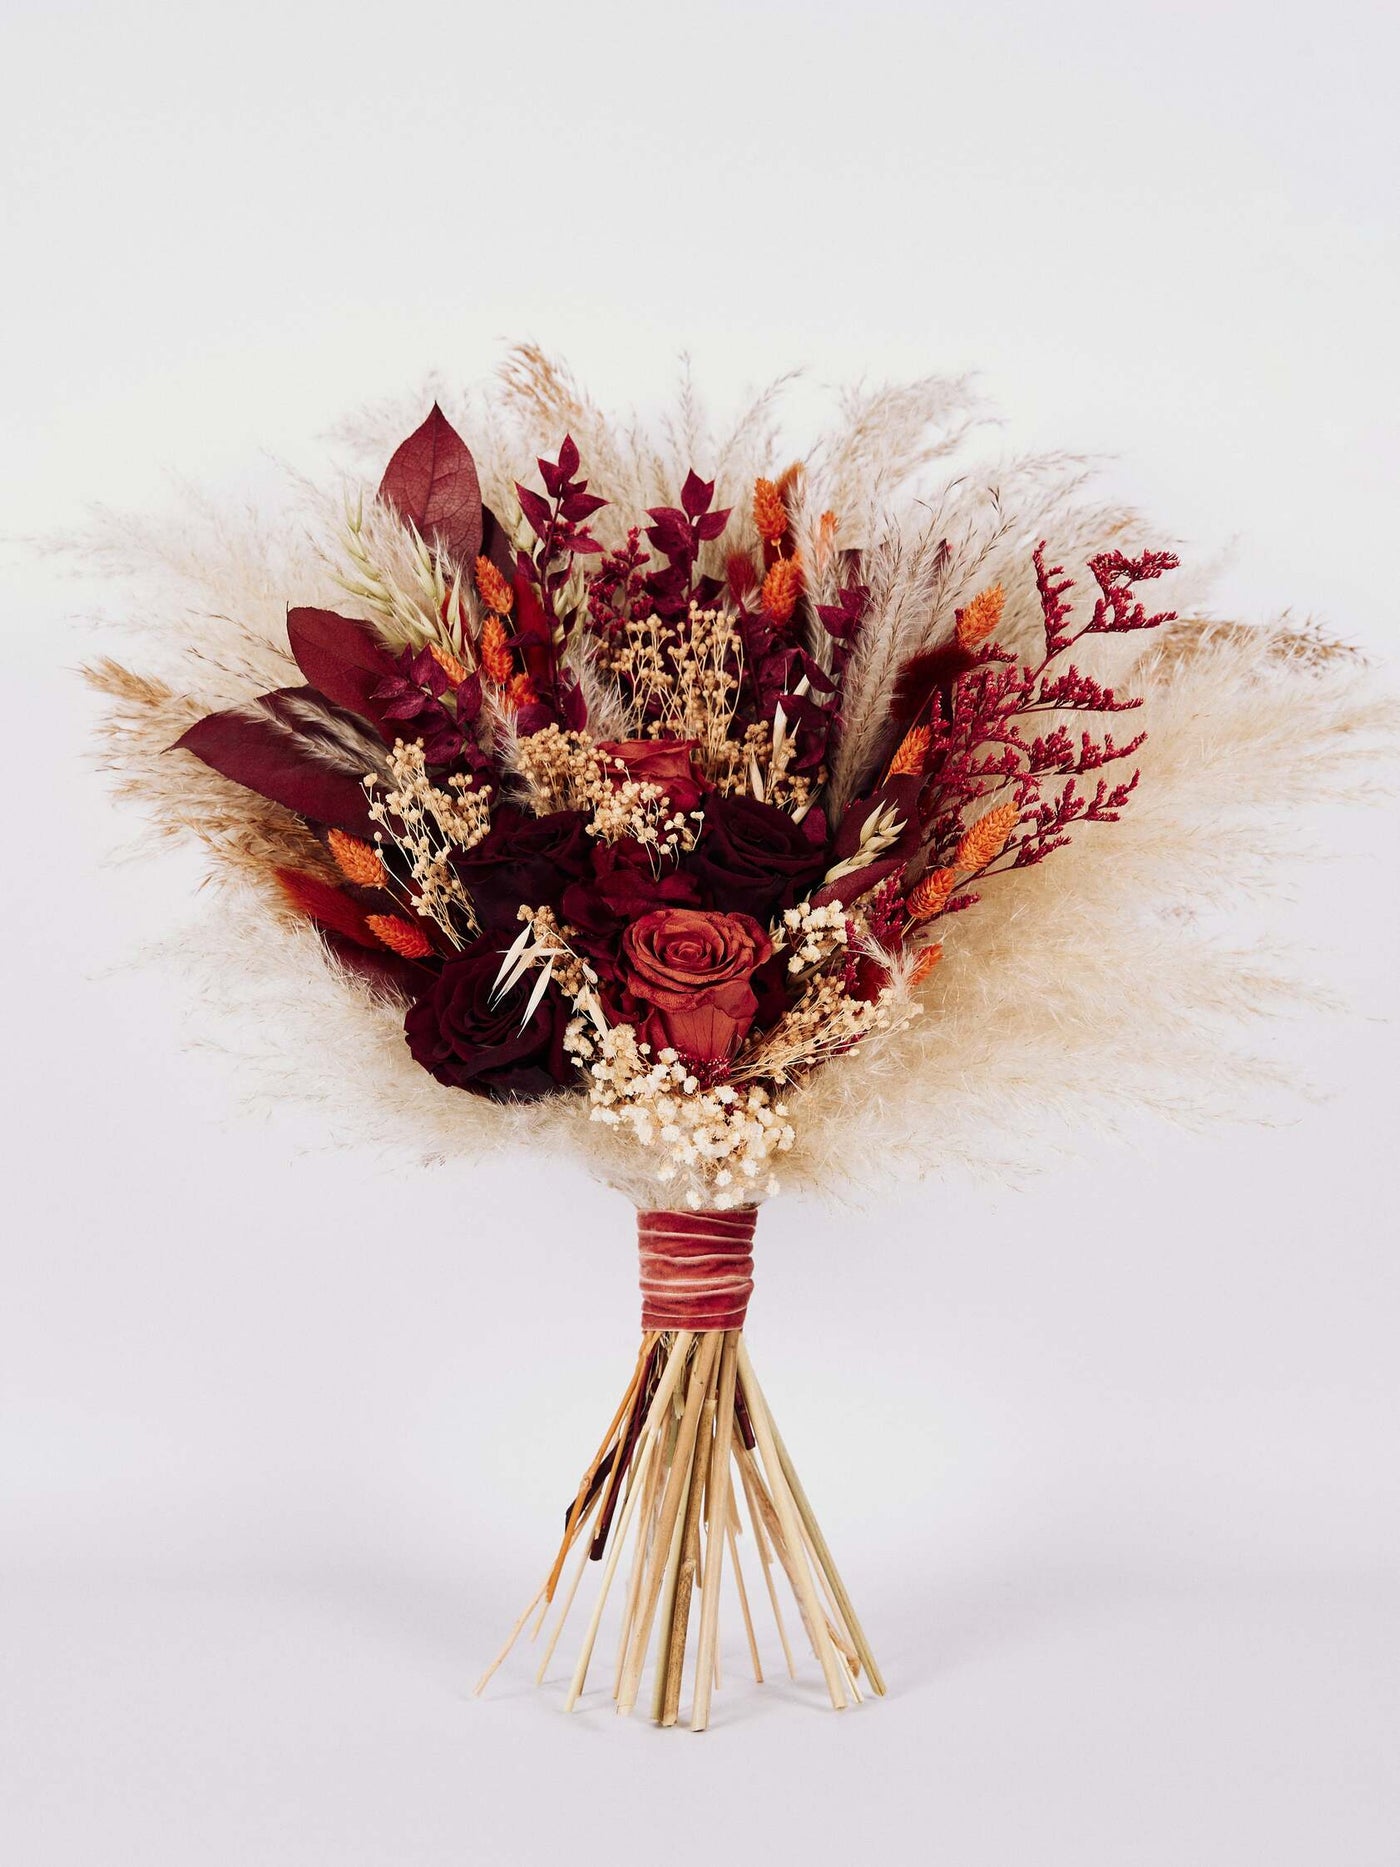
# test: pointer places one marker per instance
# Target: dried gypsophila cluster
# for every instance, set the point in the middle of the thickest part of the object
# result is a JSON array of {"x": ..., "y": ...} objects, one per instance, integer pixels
[
  {"x": 825, "y": 1022},
  {"x": 812, "y": 934},
  {"x": 725, "y": 1134},
  {"x": 428, "y": 826},
  {"x": 566, "y": 770},
  {"x": 684, "y": 685}
]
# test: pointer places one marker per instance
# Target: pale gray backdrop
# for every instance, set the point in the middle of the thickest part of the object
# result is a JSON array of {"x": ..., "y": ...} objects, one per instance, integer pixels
[{"x": 1111, "y": 1462}]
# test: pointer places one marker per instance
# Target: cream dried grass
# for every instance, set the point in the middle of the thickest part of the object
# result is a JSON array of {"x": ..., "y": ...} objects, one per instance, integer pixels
[{"x": 1081, "y": 991}]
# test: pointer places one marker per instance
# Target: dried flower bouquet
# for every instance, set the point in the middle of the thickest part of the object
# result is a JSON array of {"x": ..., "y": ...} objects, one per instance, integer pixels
[{"x": 641, "y": 824}]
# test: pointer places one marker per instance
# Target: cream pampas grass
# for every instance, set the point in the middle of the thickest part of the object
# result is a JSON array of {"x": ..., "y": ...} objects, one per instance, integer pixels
[{"x": 1083, "y": 990}]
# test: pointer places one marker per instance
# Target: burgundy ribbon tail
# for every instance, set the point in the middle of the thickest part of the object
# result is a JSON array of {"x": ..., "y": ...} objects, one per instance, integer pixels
[{"x": 696, "y": 1268}]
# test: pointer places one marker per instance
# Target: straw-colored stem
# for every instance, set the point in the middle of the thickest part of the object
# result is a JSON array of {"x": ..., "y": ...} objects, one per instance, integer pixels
[
  {"x": 690, "y": 1554},
  {"x": 744, "y": 1603},
  {"x": 819, "y": 1544},
  {"x": 670, "y": 1511},
  {"x": 656, "y": 1414},
  {"x": 765, "y": 1554},
  {"x": 792, "y": 1533},
  {"x": 717, "y": 1486},
  {"x": 646, "y": 1526}
]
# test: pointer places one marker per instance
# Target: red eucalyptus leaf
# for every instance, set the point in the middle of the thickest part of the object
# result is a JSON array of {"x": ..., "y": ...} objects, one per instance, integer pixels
[
  {"x": 851, "y": 887},
  {"x": 568, "y": 458},
  {"x": 536, "y": 508},
  {"x": 432, "y": 482},
  {"x": 341, "y": 659},
  {"x": 711, "y": 524},
  {"x": 580, "y": 506},
  {"x": 696, "y": 494},
  {"x": 271, "y": 751}
]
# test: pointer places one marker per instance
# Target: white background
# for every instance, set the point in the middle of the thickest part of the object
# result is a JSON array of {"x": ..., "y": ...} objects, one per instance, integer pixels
[{"x": 1111, "y": 1463}]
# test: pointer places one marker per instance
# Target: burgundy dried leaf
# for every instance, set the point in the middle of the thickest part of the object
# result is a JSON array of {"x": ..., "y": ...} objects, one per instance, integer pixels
[
  {"x": 270, "y": 751},
  {"x": 340, "y": 658},
  {"x": 579, "y": 506},
  {"x": 432, "y": 482},
  {"x": 696, "y": 495},
  {"x": 536, "y": 508}
]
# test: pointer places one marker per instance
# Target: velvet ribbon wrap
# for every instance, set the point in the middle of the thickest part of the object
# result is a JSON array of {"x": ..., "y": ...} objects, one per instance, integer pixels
[{"x": 696, "y": 1268}]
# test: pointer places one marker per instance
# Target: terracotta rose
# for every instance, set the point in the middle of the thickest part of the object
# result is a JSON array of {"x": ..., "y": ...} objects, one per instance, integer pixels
[
  {"x": 694, "y": 969},
  {"x": 669, "y": 763}
]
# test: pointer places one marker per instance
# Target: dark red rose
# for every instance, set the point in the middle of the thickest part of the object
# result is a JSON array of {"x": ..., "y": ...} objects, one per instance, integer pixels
[
  {"x": 459, "y": 1036},
  {"x": 524, "y": 860},
  {"x": 622, "y": 888},
  {"x": 694, "y": 970},
  {"x": 752, "y": 858},
  {"x": 669, "y": 763}
]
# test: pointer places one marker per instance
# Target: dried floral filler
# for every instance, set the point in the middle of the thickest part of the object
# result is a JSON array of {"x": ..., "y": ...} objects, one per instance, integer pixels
[{"x": 703, "y": 835}]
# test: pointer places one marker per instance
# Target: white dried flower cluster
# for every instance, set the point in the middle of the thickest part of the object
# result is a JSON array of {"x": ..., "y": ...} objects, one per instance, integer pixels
[
  {"x": 428, "y": 826},
  {"x": 813, "y": 934},
  {"x": 641, "y": 810},
  {"x": 566, "y": 771},
  {"x": 723, "y": 1135},
  {"x": 686, "y": 686},
  {"x": 823, "y": 1023}
]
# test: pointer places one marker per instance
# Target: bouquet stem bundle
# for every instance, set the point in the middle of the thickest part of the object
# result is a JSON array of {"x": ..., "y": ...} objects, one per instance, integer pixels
[{"x": 691, "y": 1449}]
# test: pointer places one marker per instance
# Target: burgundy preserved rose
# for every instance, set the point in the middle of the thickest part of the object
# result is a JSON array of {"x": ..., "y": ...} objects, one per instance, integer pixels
[
  {"x": 753, "y": 858},
  {"x": 467, "y": 1041},
  {"x": 669, "y": 763},
  {"x": 694, "y": 971},
  {"x": 623, "y": 887},
  {"x": 524, "y": 860}
]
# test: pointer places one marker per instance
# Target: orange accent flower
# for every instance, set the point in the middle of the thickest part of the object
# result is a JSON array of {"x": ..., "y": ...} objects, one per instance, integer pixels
[
  {"x": 448, "y": 662},
  {"x": 929, "y": 895},
  {"x": 985, "y": 841},
  {"x": 770, "y": 514},
  {"x": 908, "y": 761},
  {"x": 781, "y": 589},
  {"x": 401, "y": 937},
  {"x": 492, "y": 587},
  {"x": 981, "y": 618},
  {"x": 358, "y": 862},
  {"x": 924, "y": 965},
  {"x": 521, "y": 692},
  {"x": 826, "y": 528},
  {"x": 495, "y": 655}
]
